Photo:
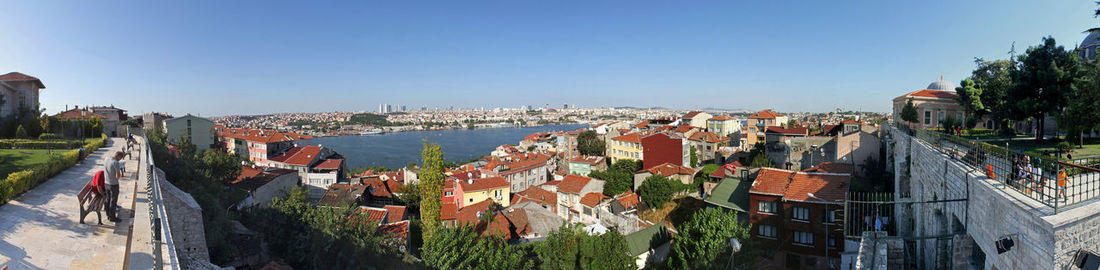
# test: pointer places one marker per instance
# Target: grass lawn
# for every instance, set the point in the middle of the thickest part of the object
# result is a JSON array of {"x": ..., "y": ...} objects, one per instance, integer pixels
[
  {"x": 21, "y": 159},
  {"x": 676, "y": 212},
  {"x": 994, "y": 137},
  {"x": 1090, "y": 149}
]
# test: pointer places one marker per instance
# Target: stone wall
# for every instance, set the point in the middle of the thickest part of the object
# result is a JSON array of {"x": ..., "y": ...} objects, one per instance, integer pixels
[
  {"x": 185, "y": 220},
  {"x": 1043, "y": 239}
]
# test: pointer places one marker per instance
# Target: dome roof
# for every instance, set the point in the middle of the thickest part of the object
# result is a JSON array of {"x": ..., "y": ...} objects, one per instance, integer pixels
[
  {"x": 1092, "y": 39},
  {"x": 942, "y": 85}
]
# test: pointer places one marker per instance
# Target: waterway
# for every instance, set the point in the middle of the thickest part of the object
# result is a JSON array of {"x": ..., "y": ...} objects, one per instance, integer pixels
[{"x": 395, "y": 150}]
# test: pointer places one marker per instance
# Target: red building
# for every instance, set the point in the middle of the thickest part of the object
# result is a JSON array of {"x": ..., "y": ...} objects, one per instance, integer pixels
[
  {"x": 660, "y": 148},
  {"x": 794, "y": 217}
]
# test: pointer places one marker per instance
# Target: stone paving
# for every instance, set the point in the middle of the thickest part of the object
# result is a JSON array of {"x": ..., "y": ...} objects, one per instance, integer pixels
[{"x": 41, "y": 229}]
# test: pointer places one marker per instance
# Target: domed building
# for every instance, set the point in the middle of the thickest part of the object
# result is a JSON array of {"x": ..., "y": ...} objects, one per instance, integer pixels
[
  {"x": 934, "y": 103},
  {"x": 1089, "y": 46}
]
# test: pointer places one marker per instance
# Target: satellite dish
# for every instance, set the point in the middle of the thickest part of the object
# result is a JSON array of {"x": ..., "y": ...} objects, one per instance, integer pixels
[{"x": 735, "y": 244}]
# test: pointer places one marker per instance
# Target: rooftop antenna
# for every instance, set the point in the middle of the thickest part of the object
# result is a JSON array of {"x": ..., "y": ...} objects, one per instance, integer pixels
[{"x": 1012, "y": 51}]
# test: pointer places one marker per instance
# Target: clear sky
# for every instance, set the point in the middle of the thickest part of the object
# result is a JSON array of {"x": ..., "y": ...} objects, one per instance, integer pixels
[{"x": 252, "y": 57}]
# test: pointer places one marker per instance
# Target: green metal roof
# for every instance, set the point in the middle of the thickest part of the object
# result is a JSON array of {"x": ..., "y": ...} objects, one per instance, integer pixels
[
  {"x": 639, "y": 242},
  {"x": 732, "y": 193}
]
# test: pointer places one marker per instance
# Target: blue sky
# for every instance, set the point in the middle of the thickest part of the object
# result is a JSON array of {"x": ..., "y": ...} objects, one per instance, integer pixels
[{"x": 252, "y": 57}]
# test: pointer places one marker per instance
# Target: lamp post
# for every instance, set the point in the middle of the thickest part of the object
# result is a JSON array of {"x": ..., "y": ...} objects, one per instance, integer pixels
[
  {"x": 735, "y": 246},
  {"x": 826, "y": 229}
]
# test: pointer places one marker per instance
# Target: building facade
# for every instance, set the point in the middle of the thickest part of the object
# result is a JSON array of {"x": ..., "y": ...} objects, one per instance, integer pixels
[
  {"x": 197, "y": 129},
  {"x": 794, "y": 217},
  {"x": 19, "y": 91}
]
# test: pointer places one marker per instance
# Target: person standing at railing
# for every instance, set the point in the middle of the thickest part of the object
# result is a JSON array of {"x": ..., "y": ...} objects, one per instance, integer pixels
[
  {"x": 113, "y": 172},
  {"x": 1063, "y": 181}
]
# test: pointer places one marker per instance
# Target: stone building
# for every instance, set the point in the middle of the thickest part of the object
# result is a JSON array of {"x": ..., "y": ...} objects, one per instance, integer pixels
[{"x": 19, "y": 90}]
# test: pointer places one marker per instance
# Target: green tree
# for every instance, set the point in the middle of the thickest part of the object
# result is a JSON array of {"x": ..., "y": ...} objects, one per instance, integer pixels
[
  {"x": 221, "y": 166},
  {"x": 588, "y": 143},
  {"x": 431, "y": 187},
  {"x": 656, "y": 190},
  {"x": 461, "y": 248},
  {"x": 627, "y": 165},
  {"x": 792, "y": 123},
  {"x": 20, "y": 132},
  {"x": 909, "y": 112},
  {"x": 994, "y": 80},
  {"x": 704, "y": 242},
  {"x": 619, "y": 177},
  {"x": 95, "y": 127},
  {"x": 1043, "y": 79},
  {"x": 570, "y": 247},
  {"x": 694, "y": 157},
  {"x": 1081, "y": 114},
  {"x": 187, "y": 148},
  {"x": 970, "y": 97}
]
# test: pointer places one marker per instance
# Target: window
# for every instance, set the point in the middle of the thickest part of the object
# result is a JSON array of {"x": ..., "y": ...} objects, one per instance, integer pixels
[
  {"x": 828, "y": 216},
  {"x": 766, "y": 207},
  {"x": 449, "y": 193},
  {"x": 942, "y": 115},
  {"x": 803, "y": 238},
  {"x": 767, "y": 231},
  {"x": 927, "y": 118},
  {"x": 800, "y": 214},
  {"x": 497, "y": 194},
  {"x": 587, "y": 211},
  {"x": 831, "y": 241}
]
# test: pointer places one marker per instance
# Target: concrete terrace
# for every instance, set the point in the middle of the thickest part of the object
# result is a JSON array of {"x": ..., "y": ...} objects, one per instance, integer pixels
[{"x": 41, "y": 229}]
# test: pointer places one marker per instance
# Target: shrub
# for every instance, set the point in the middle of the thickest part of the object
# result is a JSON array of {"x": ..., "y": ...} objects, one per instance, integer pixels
[
  {"x": 656, "y": 190},
  {"x": 18, "y": 182},
  {"x": 47, "y": 136},
  {"x": 20, "y": 132}
]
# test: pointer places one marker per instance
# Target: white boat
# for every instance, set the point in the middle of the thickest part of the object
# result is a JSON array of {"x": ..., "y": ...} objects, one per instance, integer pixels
[{"x": 373, "y": 132}]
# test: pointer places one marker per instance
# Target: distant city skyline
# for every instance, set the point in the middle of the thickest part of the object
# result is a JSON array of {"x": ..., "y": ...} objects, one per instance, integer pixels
[{"x": 259, "y": 57}]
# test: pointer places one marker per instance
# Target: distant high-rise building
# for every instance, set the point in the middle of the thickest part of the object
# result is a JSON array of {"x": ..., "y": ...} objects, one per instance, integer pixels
[
  {"x": 402, "y": 108},
  {"x": 389, "y": 108},
  {"x": 565, "y": 106},
  {"x": 381, "y": 108},
  {"x": 423, "y": 108}
]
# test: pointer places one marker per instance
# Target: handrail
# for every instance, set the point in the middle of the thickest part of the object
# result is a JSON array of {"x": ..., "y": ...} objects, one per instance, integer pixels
[{"x": 161, "y": 231}]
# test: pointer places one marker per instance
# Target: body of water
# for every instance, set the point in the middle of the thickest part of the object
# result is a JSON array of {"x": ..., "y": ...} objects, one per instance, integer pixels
[{"x": 395, "y": 150}]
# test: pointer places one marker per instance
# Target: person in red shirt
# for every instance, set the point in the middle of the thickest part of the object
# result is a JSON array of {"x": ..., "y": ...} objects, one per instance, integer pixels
[{"x": 98, "y": 184}]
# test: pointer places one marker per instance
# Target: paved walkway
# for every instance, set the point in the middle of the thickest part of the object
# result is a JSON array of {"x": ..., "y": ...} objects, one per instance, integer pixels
[{"x": 41, "y": 229}]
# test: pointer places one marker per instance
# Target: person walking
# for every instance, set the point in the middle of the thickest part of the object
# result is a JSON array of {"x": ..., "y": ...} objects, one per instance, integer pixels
[{"x": 113, "y": 172}]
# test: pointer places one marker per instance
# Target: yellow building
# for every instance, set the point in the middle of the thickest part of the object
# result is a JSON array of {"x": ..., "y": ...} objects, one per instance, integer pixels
[
  {"x": 627, "y": 146},
  {"x": 759, "y": 122},
  {"x": 476, "y": 190},
  {"x": 723, "y": 125}
]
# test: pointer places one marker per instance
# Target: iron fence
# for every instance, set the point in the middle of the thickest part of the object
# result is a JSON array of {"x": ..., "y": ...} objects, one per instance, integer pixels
[{"x": 1051, "y": 181}]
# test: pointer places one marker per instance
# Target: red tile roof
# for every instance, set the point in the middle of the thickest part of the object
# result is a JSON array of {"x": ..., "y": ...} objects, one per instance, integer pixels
[
  {"x": 789, "y": 131},
  {"x": 394, "y": 213},
  {"x": 448, "y": 211},
  {"x": 590, "y": 160},
  {"x": 632, "y": 137},
  {"x": 573, "y": 184},
  {"x": 537, "y": 195},
  {"x": 850, "y": 122},
  {"x": 641, "y": 124},
  {"x": 399, "y": 229},
  {"x": 669, "y": 169},
  {"x": 330, "y": 164},
  {"x": 766, "y": 114},
  {"x": 305, "y": 156},
  {"x": 17, "y": 77},
  {"x": 691, "y": 114},
  {"x": 704, "y": 136},
  {"x": 78, "y": 113},
  {"x": 628, "y": 199},
  {"x": 592, "y": 199},
  {"x": 469, "y": 214},
  {"x": 683, "y": 128},
  {"x": 484, "y": 183},
  {"x": 373, "y": 214},
  {"x": 832, "y": 167},
  {"x": 287, "y": 154},
  {"x": 797, "y": 186},
  {"x": 252, "y": 178},
  {"x": 722, "y": 117},
  {"x": 933, "y": 94},
  {"x": 518, "y": 163},
  {"x": 260, "y": 135}
]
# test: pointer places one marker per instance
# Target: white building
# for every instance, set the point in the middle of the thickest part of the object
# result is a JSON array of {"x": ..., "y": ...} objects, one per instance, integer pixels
[
  {"x": 19, "y": 90},
  {"x": 199, "y": 130}
]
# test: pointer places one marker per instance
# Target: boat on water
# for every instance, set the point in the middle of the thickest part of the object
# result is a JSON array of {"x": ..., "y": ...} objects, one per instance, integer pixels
[{"x": 376, "y": 131}]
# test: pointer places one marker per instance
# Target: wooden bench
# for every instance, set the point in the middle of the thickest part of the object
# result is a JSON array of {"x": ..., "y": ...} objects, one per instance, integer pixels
[{"x": 95, "y": 202}]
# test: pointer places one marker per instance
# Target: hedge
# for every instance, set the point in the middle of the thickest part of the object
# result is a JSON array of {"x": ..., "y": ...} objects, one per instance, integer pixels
[
  {"x": 18, "y": 182},
  {"x": 40, "y": 144}
]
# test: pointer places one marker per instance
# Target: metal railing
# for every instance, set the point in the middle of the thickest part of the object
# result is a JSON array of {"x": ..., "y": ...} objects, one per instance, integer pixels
[
  {"x": 161, "y": 231},
  {"x": 1054, "y": 182}
]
